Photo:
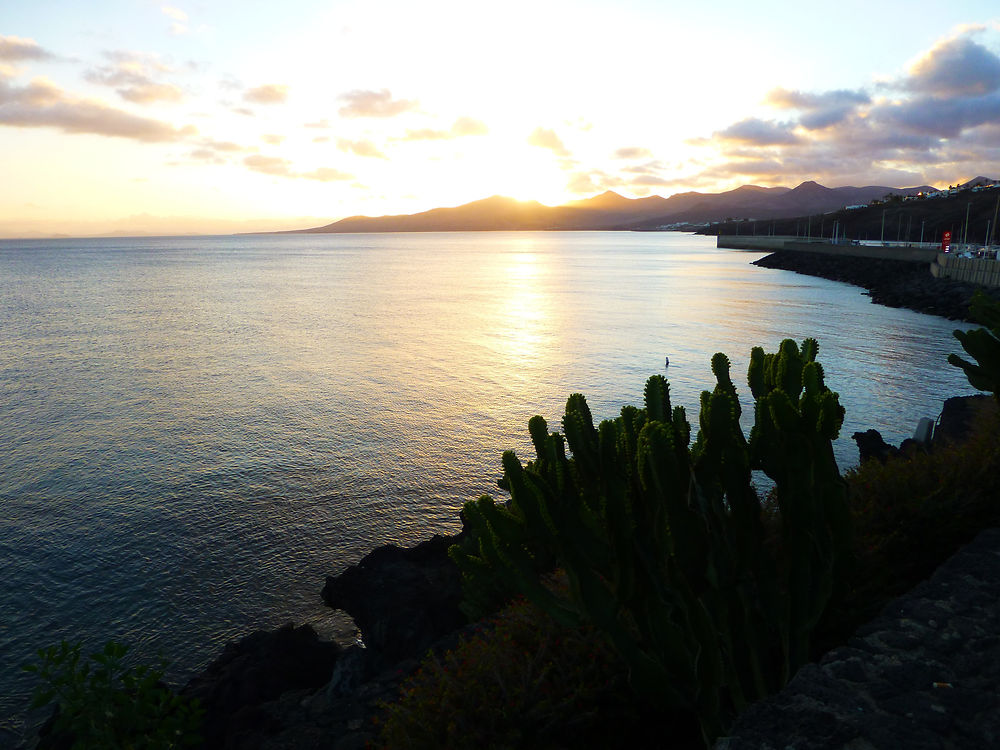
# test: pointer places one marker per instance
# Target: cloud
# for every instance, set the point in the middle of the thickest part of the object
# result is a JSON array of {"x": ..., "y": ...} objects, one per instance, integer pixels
[
  {"x": 426, "y": 134},
  {"x": 132, "y": 75},
  {"x": 946, "y": 118},
  {"x": 43, "y": 104},
  {"x": 464, "y": 126},
  {"x": 326, "y": 174},
  {"x": 632, "y": 152},
  {"x": 364, "y": 103},
  {"x": 274, "y": 140},
  {"x": 957, "y": 67},
  {"x": 545, "y": 138},
  {"x": 360, "y": 148},
  {"x": 272, "y": 93},
  {"x": 461, "y": 128},
  {"x": 245, "y": 111},
  {"x": 206, "y": 155},
  {"x": 15, "y": 48},
  {"x": 279, "y": 167},
  {"x": 819, "y": 110},
  {"x": 321, "y": 139},
  {"x": 226, "y": 146},
  {"x": 175, "y": 13},
  {"x": 179, "y": 17},
  {"x": 318, "y": 124},
  {"x": 757, "y": 132}
]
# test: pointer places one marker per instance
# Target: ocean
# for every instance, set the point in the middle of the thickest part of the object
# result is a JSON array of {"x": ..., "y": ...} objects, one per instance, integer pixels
[{"x": 195, "y": 431}]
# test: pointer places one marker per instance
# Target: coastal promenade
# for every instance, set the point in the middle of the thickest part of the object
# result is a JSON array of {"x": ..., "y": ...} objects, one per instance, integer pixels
[{"x": 913, "y": 252}]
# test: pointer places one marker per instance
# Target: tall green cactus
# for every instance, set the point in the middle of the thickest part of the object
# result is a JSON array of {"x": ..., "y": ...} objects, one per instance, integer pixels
[{"x": 663, "y": 542}]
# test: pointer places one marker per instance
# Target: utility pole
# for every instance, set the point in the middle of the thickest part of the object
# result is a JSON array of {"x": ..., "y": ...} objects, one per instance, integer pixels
[
  {"x": 922, "y": 222},
  {"x": 882, "y": 239},
  {"x": 995, "y": 208}
]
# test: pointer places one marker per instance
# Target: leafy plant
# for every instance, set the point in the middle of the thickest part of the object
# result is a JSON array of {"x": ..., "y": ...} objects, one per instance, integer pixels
[
  {"x": 103, "y": 704},
  {"x": 982, "y": 344},
  {"x": 664, "y": 545}
]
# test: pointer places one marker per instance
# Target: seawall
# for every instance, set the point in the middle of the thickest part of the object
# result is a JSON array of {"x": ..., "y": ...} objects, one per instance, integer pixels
[
  {"x": 982, "y": 271},
  {"x": 889, "y": 282},
  {"x": 911, "y": 253}
]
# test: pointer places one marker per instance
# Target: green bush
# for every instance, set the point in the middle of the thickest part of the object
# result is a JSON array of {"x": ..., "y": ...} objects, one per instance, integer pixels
[
  {"x": 915, "y": 510},
  {"x": 101, "y": 704}
]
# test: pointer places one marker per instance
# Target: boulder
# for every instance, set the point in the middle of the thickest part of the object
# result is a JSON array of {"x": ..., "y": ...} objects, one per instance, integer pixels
[
  {"x": 252, "y": 672},
  {"x": 402, "y": 599}
]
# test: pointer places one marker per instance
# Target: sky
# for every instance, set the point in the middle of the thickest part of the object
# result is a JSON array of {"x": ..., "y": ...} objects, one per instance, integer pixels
[{"x": 217, "y": 116}]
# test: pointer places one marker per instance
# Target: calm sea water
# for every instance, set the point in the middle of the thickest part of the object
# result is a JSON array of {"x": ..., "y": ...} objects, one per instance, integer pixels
[{"x": 194, "y": 432}]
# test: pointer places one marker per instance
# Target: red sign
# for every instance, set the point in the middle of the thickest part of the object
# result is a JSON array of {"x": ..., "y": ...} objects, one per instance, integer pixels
[{"x": 946, "y": 242}]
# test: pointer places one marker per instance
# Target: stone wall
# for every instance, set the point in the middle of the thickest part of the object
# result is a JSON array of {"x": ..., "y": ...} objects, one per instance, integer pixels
[
  {"x": 923, "y": 675},
  {"x": 912, "y": 253},
  {"x": 981, "y": 271}
]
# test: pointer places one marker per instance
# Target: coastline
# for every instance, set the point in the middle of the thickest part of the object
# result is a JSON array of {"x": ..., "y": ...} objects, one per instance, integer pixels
[{"x": 892, "y": 283}]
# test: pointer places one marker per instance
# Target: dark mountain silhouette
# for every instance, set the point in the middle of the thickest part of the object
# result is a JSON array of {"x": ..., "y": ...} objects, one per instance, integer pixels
[
  {"x": 609, "y": 210},
  {"x": 970, "y": 215}
]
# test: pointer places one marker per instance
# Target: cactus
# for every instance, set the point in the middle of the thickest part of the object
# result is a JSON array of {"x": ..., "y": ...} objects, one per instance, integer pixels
[{"x": 663, "y": 542}]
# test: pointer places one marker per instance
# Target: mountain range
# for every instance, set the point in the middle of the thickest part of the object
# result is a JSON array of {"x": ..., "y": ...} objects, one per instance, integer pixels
[{"x": 610, "y": 210}]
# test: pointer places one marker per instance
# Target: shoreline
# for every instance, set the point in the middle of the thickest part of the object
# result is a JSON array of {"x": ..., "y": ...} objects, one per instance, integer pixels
[{"x": 891, "y": 283}]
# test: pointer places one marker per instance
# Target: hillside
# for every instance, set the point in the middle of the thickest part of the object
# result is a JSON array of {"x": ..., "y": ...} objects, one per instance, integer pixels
[
  {"x": 610, "y": 210},
  {"x": 895, "y": 220}
]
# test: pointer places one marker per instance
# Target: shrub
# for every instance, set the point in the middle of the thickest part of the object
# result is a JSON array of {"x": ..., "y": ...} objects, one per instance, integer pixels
[
  {"x": 913, "y": 512},
  {"x": 101, "y": 704},
  {"x": 520, "y": 680}
]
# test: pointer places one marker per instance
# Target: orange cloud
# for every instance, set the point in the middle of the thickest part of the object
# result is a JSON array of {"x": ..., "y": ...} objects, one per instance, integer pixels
[
  {"x": 43, "y": 104},
  {"x": 271, "y": 93},
  {"x": 468, "y": 126},
  {"x": 360, "y": 148},
  {"x": 545, "y": 138},
  {"x": 18, "y": 48},
  {"x": 279, "y": 167},
  {"x": 362, "y": 103},
  {"x": 132, "y": 76}
]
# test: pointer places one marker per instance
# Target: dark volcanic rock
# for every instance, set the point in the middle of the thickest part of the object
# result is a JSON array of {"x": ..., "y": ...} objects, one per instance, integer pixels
[
  {"x": 871, "y": 445},
  {"x": 893, "y": 283},
  {"x": 252, "y": 672},
  {"x": 961, "y": 415},
  {"x": 402, "y": 599}
]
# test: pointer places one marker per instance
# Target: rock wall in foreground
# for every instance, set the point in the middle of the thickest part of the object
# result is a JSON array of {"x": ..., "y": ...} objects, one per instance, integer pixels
[{"x": 922, "y": 675}]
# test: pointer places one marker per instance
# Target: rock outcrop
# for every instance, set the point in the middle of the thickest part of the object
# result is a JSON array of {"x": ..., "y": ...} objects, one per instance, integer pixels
[
  {"x": 402, "y": 599},
  {"x": 237, "y": 688},
  {"x": 286, "y": 689}
]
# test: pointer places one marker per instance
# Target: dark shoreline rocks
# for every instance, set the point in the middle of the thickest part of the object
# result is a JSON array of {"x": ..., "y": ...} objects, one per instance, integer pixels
[
  {"x": 893, "y": 283},
  {"x": 286, "y": 689}
]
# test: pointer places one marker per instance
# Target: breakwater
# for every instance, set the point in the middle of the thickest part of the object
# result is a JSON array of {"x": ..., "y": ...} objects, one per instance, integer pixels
[
  {"x": 913, "y": 252},
  {"x": 890, "y": 282}
]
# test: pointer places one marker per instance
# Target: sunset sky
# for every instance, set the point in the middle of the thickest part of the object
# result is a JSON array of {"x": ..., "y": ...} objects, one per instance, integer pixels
[{"x": 222, "y": 115}]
